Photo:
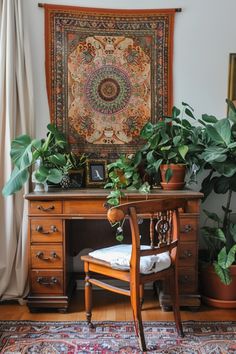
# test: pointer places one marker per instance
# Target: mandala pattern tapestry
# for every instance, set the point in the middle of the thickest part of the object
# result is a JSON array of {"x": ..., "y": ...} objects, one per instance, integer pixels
[{"x": 108, "y": 73}]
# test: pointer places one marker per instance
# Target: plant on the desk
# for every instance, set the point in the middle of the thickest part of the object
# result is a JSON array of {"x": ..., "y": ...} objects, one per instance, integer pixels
[
  {"x": 172, "y": 144},
  {"x": 124, "y": 175},
  {"x": 73, "y": 171},
  {"x": 48, "y": 154}
]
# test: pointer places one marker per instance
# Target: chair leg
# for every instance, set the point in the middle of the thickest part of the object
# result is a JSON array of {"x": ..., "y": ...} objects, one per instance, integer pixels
[
  {"x": 136, "y": 307},
  {"x": 88, "y": 296},
  {"x": 175, "y": 301},
  {"x": 141, "y": 291}
]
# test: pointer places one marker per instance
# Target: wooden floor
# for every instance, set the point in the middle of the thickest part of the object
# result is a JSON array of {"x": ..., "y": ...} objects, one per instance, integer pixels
[{"x": 113, "y": 307}]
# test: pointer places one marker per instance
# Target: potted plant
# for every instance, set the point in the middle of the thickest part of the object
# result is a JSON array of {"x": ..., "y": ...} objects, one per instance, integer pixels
[
  {"x": 172, "y": 145},
  {"x": 49, "y": 155},
  {"x": 74, "y": 171},
  {"x": 218, "y": 270}
]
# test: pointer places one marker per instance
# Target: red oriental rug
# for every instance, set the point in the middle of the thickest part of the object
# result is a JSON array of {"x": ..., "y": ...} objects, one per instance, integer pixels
[{"x": 115, "y": 337}]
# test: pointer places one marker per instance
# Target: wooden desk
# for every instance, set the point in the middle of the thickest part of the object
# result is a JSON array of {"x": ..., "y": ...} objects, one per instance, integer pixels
[{"x": 50, "y": 260}]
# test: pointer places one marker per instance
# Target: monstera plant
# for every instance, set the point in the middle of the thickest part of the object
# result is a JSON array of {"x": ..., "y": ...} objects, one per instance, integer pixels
[{"x": 48, "y": 154}]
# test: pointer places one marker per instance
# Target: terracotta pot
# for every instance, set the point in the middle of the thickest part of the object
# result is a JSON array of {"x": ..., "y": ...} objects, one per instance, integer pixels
[
  {"x": 214, "y": 292},
  {"x": 177, "y": 179}
]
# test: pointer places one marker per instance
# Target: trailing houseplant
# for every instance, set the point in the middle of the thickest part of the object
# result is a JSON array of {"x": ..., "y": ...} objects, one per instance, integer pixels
[
  {"x": 48, "y": 154},
  {"x": 220, "y": 159},
  {"x": 124, "y": 174},
  {"x": 173, "y": 141}
]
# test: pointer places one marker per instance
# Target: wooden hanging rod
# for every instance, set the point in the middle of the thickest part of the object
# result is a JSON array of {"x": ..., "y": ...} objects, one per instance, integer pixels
[{"x": 178, "y": 9}]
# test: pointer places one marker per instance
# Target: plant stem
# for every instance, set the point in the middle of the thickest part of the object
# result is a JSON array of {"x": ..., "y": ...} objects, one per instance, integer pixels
[{"x": 226, "y": 218}]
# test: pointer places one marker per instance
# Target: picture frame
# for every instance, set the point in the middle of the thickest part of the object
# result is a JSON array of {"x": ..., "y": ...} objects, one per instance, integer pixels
[
  {"x": 232, "y": 78},
  {"x": 96, "y": 173}
]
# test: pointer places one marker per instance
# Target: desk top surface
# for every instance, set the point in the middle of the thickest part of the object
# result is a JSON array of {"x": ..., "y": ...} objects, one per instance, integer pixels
[{"x": 102, "y": 193}]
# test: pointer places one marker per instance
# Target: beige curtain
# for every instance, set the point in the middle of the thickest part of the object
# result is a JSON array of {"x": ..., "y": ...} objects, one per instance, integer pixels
[{"x": 16, "y": 117}]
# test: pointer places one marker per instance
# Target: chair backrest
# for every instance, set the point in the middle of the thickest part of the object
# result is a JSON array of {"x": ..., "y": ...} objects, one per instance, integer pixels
[{"x": 163, "y": 215}]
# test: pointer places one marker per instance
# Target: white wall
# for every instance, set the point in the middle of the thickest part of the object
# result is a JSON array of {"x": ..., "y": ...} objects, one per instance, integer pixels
[{"x": 205, "y": 33}]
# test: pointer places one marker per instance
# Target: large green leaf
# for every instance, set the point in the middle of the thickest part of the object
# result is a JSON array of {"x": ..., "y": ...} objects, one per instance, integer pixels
[
  {"x": 209, "y": 119},
  {"x": 137, "y": 158},
  {"x": 20, "y": 150},
  {"x": 57, "y": 159},
  {"x": 16, "y": 181},
  {"x": 40, "y": 175},
  {"x": 147, "y": 130},
  {"x": 233, "y": 231},
  {"x": 222, "y": 185},
  {"x": 168, "y": 174},
  {"x": 54, "y": 176},
  {"x": 226, "y": 168},
  {"x": 223, "y": 274},
  {"x": 189, "y": 113},
  {"x": 230, "y": 259},
  {"x": 212, "y": 153},
  {"x": 211, "y": 215},
  {"x": 154, "y": 141},
  {"x": 183, "y": 149},
  {"x": 151, "y": 157},
  {"x": 157, "y": 164},
  {"x": 175, "y": 112},
  {"x": 220, "y": 133},
  {"x": 176, "y": 140},
  {"x": 58, "y": 135}
]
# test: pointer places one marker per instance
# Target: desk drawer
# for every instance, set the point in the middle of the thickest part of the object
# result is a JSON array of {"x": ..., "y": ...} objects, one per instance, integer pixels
[
  {"x": 46, "y": 256},
  {"x": 47, "y": 282},
  {"x": 187, "y": 254},
  {"x": 187, "y": 280},
  {"x": 45, "y": 207},
  {"x": 188, "y": 228},
  {"x": 84, "y": 207},
  {"x": 46, "y": 230}
]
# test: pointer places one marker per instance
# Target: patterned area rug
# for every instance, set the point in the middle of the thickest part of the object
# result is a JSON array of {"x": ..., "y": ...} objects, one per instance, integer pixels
[{"x": 115, "y": 337}]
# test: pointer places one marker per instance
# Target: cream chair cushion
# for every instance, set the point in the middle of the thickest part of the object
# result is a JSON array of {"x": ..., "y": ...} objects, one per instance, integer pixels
[{"x": 119, "y": 258}]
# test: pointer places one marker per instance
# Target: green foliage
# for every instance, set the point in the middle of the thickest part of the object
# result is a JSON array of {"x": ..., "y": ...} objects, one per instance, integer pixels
[
  {"x": 26, "y": 152},
  {"x": 219, "y": 157},
  {"x": 124, "y": 175},
  {"x": 173, "y": 140}
]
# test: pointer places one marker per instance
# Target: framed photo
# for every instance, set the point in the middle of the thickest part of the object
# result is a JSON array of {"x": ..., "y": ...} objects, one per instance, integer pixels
[
  {"x": 232, "y": 78},
  {"x": 96, "y": 173}
]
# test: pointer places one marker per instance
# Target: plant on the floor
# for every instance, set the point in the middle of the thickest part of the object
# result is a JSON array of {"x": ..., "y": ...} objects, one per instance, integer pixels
[
  {"x": 220, "y": 159},
  {"x": 49, "y": 154}
]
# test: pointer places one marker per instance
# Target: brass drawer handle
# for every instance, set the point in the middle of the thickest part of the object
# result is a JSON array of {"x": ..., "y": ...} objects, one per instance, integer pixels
[
  {"x": 186, "y": 228},
  {"x": 40, "y": 207},
  {"x": 45, "y": 281},
  {"x": 40, "y": 255},
  {"x": 39, "y": 228},
  {"x": 186, "y": 254}
]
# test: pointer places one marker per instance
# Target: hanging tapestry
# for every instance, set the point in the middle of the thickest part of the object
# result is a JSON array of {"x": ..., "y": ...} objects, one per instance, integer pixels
[{"x": 108, "y": 73}]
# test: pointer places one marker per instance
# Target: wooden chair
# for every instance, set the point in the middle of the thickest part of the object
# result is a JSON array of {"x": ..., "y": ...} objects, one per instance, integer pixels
[{"x": 164, "y": 229}]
